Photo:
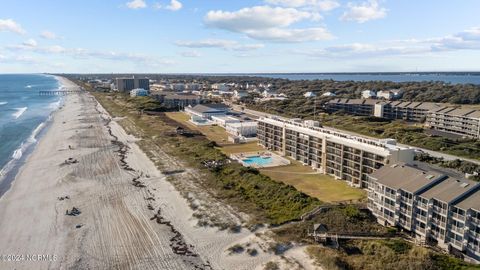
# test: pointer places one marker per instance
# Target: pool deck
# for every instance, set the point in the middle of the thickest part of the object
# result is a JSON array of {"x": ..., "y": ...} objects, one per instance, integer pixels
[{"x": 276, "y": 160}]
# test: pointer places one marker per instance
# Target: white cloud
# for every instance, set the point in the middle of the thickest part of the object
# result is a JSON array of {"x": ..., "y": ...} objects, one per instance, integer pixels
[
  {"x": 219, "y": 43},
  {"x": 364, "y": 12},
  {"x": 292, "y": 35},
  {"x": 136, "y": 4},
  {"x": 192, "y": 54},
  {"x": 365, "y": 50},
  {"x": 81, "y": 53},
  {"x": 268, "y": 23},
  {"x": 18, "y": 59},
  {"x": 54, "y": 49},
  {"x": 255, "y": 18},
  {"x": 322, "y": 5},
  {"x": 174, "y": 5},
  {"x": 30, "y": 43},
  {"x": 465, "y": 40},
  {"x": 470, "y": 34},
  {"x": 48, "y": 35},
  {"x": 11, "y": 26}
]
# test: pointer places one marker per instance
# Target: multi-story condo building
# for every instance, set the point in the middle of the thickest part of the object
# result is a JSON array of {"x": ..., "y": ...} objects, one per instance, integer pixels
[
  {"x": 434, "y": 207},
  {"x": 362, "y": 107},
  {"x": 406, "y": 110},
  {"x": 174, "y": 100},
  {"x": 128, "y": 84},
  {"x": 409, "y": 111},
  {"x": 464, "y": 122},
  {"x": 329, "y": 151}
]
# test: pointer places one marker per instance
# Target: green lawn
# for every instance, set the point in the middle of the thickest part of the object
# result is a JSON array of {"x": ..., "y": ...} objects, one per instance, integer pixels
[
  {"x": 240, "y": 148},
  {"x": 323, "y": 187}
]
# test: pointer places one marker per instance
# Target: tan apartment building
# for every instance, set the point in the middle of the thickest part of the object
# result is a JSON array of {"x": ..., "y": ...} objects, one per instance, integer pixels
[
  {"x": 339, "y": 154},
  {"x": 436, "y": 208},
  {"x": 464, "y": 122}
]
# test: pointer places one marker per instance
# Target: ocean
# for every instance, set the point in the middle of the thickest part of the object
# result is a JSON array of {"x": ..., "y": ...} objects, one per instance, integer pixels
[{"x": 23, "y": 116}]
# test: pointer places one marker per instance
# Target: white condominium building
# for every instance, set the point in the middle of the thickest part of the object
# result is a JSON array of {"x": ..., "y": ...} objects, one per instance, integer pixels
[{"x": 342, "y": 155}]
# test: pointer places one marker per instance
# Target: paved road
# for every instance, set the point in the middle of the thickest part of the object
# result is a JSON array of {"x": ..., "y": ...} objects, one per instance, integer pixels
[{"x": 257, "y": 114}]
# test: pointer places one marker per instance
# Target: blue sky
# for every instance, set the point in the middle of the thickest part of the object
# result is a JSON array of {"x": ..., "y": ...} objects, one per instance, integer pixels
[{"x": 197, "y": 36}]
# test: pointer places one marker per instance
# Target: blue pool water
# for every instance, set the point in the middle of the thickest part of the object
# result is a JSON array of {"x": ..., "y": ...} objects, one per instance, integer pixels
[{"x": 257, "y": 160}]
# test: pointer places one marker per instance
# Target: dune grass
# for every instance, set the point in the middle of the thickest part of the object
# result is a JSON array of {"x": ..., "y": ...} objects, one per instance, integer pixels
[{"x": 246, "y": 189}]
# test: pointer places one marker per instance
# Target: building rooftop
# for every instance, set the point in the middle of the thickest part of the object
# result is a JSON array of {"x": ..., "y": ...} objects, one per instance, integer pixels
[
  {"x": 460, "y": 112},
  {"x": 384, "y": 146},
  {"x": 449, "y": 189},
  {"x": 406, "y": 177},
  {"x": 243, "y": 124},
  {"x": 474, "y": 114},
  {"x": 442, "y": 109},
  {"x": 213, "y": 107},
  {"x": 428, "y": 106},
  {"x": 472, "y": 201}
]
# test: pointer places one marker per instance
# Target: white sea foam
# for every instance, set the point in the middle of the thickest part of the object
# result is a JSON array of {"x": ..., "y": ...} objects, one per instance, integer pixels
[
  {"x": 19, "y": 112},
  {"x": 3, "y": 103},
  {"x": 55, "y": 105},
  {"x": 18, "y": 153},
  {"x": 28, "y": 86}
]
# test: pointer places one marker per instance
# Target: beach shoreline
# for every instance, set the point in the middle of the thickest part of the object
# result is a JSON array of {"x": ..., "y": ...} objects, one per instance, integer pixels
[
  {"x": 88, "y": 197},
  {"x": 9, "y": 171}
]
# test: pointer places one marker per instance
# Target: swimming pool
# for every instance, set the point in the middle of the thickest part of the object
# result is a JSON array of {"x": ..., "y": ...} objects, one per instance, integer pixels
[{"x": 257, "y": 160}]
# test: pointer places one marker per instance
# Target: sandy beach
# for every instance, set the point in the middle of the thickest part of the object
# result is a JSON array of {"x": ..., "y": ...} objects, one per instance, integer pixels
[{"x": 89, "y": 198}]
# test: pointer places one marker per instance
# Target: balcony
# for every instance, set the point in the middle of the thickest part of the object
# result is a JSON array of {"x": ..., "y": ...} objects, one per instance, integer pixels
[
  {"x": 424, "y": 206},
  {"x": 439, "y": 210},
  {"x": 422, "y": 218},
  {"x": 457, "y": 216},
  {"x": 457, "y": 229},
  {"x": 457, "y": 244}
]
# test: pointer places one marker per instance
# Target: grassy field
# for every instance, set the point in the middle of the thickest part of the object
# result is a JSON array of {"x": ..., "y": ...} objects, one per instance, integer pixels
[
  {"x": 213, "y": 133},
  {"x": 240, "y": 148},
  {"x": 323, "y": 187}
]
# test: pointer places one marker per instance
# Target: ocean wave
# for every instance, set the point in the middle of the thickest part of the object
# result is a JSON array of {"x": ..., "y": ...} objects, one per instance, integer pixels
[
  {"x": 19, "y": 112},
  {"x": 29, "y": 86},
  {"x": 55, "y": 105},
  {"x": 3, "y": 102},
  {"x": 18, "y": 153}
]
